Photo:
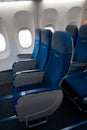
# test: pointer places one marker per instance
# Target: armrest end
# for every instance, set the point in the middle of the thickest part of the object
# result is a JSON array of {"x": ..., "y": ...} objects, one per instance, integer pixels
[
  {"x": 28, "y": 77},
  {"x": 24, "y": 56},
  {"x": 24, "y": 65}
]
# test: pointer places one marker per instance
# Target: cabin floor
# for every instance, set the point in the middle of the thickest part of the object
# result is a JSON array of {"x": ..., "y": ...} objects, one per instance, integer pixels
[{"x": 66, "y": 115}]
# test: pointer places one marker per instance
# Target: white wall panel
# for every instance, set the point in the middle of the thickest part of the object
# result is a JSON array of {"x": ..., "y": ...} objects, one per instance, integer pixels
[
  {"x": 72, "y": 15},
  {"x": 62, "y": 7},
  {"x": 49, "y": 17},
  {"x": 30, "y": 14},
  {"x": 4, "y": 54},
  {"x": 23, "y": 19},
  {"x": 14, "y": 16}
]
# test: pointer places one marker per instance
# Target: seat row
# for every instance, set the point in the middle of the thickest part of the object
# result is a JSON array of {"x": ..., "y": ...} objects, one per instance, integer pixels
[
  {"x": 39, "y": 81},
  {"x": 42, "y": 38},
  {"x": 72, "y": 29},
  {"x": 75, "y": 84},
  {"x": 36, "y": 82}
]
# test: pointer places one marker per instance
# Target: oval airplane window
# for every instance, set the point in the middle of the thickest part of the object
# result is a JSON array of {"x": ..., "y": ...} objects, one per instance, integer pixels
[
  {"x": 2, "y": 43},
  {"x": 25, "y": 38},
  {"x": 49, "y": 27}
]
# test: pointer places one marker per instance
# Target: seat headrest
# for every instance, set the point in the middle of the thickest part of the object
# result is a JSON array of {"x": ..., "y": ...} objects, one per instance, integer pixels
[
  {"x": 62, "y": 42},
  {"x": 72, "y": 29},
  {"x": 46, "y": 36},
  {"x": 83, "y": 31},
  {"x": 38, "y": 33}
]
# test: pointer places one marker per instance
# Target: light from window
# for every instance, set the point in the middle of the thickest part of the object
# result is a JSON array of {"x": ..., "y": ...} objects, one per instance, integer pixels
[
  {"x": 25, "y": 38},
  {"x": 2, "y": 43},
  {"x": 84, "y": 22},
  {"x": 50, "y": 28}
]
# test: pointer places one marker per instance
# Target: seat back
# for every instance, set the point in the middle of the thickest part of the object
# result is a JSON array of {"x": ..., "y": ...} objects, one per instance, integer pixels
[
  {"x": 46, "y": 37},
  {"x": 59, "y": 59},
  {"x": 80, "y": 53},
  {"x": 37, "y": 42},
  {"x": 73, "y": 30}
]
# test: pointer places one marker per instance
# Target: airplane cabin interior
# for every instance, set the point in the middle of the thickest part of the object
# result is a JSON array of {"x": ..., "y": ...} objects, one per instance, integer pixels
[{"x": 43, "y": 64}]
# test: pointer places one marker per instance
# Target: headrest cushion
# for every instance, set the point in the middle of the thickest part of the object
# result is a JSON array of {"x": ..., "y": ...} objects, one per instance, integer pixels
[
  {"x": 46, "y": 36},
  {"x": 62, "y": 42}
]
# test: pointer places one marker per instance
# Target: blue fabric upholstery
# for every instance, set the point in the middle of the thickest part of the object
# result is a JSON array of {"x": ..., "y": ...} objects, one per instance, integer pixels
[
  {"x": 46, "y": 38},
  {"x": 73, "y": 30},
  {"x": 77, "y": 84},
  {"x": 41, "y": 61},
  {"x": 57, "y": 66},
  {"x": 36, "y": 43},
  {"x": 80, "y": 52},
  {"x": 59, "y": 59},
  {"x": 81, "y": 44},
  {"x": 76, "y": 81}
]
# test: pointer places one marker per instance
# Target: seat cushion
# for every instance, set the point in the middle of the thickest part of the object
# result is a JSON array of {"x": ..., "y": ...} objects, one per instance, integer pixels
[{"x": 78, "y": 84}]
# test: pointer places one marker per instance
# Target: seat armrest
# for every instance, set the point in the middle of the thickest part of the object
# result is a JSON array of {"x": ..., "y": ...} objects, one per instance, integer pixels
[
  {"x": 79, "y": 64},
  {"x": 24, "y": 65},
  {"x": 28, "y": 77},
  {"x": 35, "y": 91},
  {"x": 24, "y": 56},
  {"x": 43, "y": 89}
]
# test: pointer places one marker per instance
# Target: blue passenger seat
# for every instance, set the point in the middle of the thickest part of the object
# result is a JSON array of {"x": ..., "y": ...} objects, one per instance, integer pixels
[
  {"x": 75, "y": 84},
  {"x": 73, "y": 30},
  {"x": 80, "y": 51},
  {"x": 81, "y": 44},
  {"x": 46, "y": 39},
  {"x": 37, "y": 42},
  {"x": 40, "y": 62},
  {"x": 37, "y": 93}
]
